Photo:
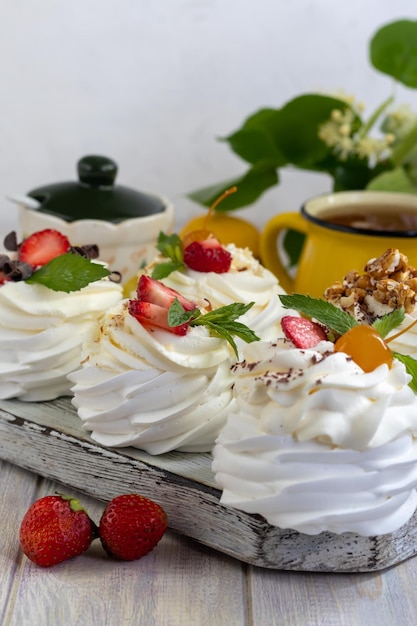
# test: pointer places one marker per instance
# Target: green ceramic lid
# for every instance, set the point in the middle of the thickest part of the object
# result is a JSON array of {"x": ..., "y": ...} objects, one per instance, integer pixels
[{"x": 95, "y": 195}]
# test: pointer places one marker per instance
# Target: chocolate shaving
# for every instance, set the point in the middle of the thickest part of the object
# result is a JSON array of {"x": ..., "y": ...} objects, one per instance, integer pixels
[
  {"x": 10, "y": 241},
  {"x": 17, "y": 270},
  {"x": 3, "y": 260},
  {"x": 89, "y": 251}
]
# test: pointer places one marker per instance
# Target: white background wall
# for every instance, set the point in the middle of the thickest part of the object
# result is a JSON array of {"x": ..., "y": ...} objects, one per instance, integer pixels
[{"x": 152, "y": 83}]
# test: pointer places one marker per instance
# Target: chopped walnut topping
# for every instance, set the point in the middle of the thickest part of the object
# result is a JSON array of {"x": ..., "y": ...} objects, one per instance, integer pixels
[
  {"x": 389, "y": 283},
  {"x": 388, "y": 263}
]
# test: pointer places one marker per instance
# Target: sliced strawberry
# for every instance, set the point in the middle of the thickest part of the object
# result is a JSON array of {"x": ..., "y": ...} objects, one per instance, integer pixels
[
  {"x": 153, "y": 302},
  {"x": 152, "y": 290},
  {"x": 43, "y": 246},
  {"x": 150, "y": 314},
  {"x": 207, "y": 256},
  {"x": 303, "y": 333}
]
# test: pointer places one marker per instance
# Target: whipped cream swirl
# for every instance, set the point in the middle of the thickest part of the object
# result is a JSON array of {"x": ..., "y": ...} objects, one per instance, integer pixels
[
  {"x": 406, "y": 343},
  {"x": 152, "y": 389},
  {"x": 41, "y": 335},
  {"x": 315, "y": 444}
]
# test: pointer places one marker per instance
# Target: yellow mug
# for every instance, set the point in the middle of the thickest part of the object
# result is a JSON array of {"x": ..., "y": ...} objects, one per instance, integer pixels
[{"x": 369, "y": 223}]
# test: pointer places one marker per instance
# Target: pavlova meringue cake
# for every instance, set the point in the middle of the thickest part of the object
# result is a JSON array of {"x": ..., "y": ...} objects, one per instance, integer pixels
[
  {"x": 323, "y": 434},
  {"x": 230, "y": 274},
  {"x": 153, "y": 385},
  {"x": 50, "y": 299}
]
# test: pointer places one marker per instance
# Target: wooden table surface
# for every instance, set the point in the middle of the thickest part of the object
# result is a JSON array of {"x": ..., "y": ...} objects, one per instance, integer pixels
[{"x": 180, "y": 583}]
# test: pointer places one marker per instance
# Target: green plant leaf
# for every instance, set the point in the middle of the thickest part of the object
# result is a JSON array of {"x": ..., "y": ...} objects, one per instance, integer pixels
[
  {"x": 376, "y": 115},
  {"x": 254, "y": 141},
  {"x": 395, "y": 180},
  {"x": 292, "y": 243},
  {"x": 290, "y": 134},
  {"x": 68, "y": 272},
  {"x": 250, "y": 187},
  {"x": 351, "y": 175},
  {"x": 335, "y": 319},
  {"x": 404, "y": 148},
  {"x": 393, "y": 51},
  {"x": 411, "y": 171},
  {"x": 271, "y": 138},
  {"x": 296, "y": 130}
]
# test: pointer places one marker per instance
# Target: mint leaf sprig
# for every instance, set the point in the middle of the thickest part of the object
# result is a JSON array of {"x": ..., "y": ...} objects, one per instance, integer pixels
[
  {"x": 68, "y": 272},
  {"x": 170, "y": 246},
  {"x": 385, "y": 324},
  {"x": 221, "y": 322},
  {"x": 336, "y": 319},
  {"x": 324, "y": 312}
]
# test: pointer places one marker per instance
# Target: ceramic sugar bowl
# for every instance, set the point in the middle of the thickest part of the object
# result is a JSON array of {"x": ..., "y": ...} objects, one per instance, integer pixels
[{"x": 123, "y": 222}]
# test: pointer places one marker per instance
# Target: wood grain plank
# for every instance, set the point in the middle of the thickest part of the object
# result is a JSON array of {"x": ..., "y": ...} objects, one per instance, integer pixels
[
  {"x": 47, "y": 438},
  {"x": 18, "y": 488},
  {"x": 180, "y": 582},
  {"x": 296, "y": 598}
]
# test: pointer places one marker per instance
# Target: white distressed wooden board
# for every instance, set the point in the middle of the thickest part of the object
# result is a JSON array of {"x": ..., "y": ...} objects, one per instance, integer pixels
[{"x": 47, "y": 438}]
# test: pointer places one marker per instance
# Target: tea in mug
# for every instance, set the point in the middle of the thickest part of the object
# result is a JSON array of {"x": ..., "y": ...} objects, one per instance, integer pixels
[{"x": 381, "y": 218}]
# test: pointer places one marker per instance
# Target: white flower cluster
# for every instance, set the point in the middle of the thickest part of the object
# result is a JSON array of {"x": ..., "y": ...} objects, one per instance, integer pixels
[{"x": 340, "y": 132}]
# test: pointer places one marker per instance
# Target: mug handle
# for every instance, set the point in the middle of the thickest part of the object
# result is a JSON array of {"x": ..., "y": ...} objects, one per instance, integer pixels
[{"x": 268, "y": 245}]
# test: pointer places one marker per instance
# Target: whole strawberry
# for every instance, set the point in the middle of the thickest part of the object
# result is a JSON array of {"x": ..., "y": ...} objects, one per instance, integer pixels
[
  {"x": 54, "y": 529},
  {"x": 131, "y": 526}
]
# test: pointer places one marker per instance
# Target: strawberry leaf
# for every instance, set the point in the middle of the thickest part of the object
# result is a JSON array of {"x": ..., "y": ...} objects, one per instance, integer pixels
[
  {"x": 335, "y": 319},
  {"x": 68, "y": 272},
  {"x": 411, "y": 367},
  {"x": 384, "y": 325}
]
